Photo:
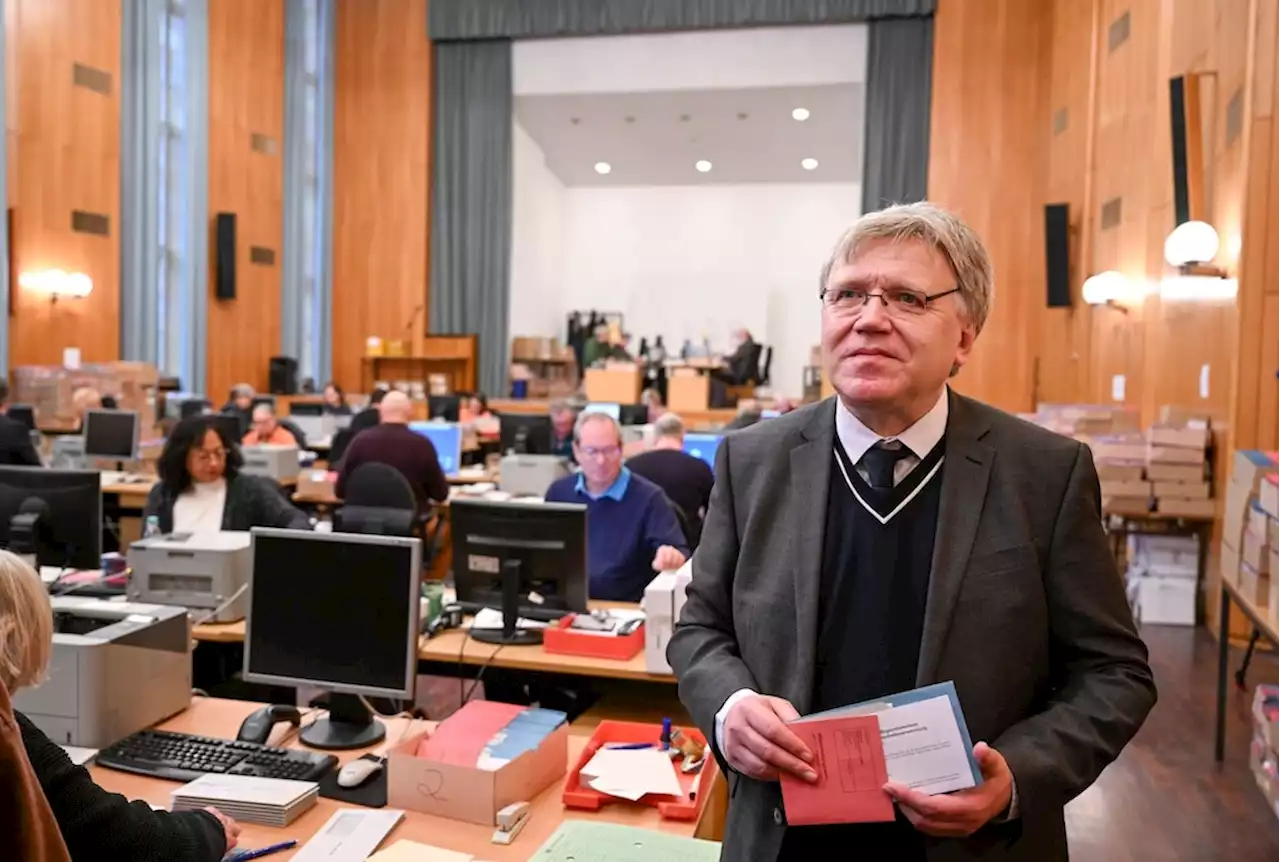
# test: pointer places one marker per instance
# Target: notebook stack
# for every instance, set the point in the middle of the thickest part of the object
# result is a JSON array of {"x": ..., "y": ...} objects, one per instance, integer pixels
[{"x": 247, "y": 798}]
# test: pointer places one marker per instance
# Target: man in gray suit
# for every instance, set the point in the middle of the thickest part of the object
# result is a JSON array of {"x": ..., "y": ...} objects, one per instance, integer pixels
[{"x": 900, "y": 535}]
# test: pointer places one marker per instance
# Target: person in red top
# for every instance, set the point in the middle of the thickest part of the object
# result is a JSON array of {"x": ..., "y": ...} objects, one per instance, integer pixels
[
  {"x": 391, "y": 442},
  {"x": 267, "y": 430}
]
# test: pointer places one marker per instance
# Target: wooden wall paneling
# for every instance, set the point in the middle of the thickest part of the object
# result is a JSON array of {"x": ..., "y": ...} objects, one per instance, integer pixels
[
  {"x": 246, "y": 98},
  {"x": 382, "y": 117},
  {"x": 63, "y": 156},
  {"x": 987, "y": 162}
]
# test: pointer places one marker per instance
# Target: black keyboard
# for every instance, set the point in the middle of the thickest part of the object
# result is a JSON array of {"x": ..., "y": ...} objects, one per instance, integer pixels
[{"x": 184, "y": 757}]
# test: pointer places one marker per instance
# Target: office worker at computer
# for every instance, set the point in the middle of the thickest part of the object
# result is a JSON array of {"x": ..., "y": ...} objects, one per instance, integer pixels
[
  {"x": 686, "y": 480},
  {"x": 632, "y": 529},
  {"x": 335, "y": 400},
  {"x": 240, "y": 405},
  {"x": 94, "y": 824},
  {"x": 898, "y": 535},
  {"x": 391, "y": 442},
  {"x": 267, "y": 430},
  {"x": 201, "y": 488},
  {"x": 16, "y": 448},
  {"x": 563, "y": 417}
]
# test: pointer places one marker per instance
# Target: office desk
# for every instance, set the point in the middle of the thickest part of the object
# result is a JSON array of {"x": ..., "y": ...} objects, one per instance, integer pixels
[
  {"x": 221, "y": 718},
  {"x": 1262, "y": 624}
]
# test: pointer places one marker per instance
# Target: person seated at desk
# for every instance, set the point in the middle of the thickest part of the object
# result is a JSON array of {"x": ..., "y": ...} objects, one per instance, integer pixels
[
  {"x": 685, "y": 480},
  {"x": 749, "y": 413},
  {"x": 632, "y": 529},
  {"x": 391, "y": 442},
  {"x": 654, "y": 408},
  {"x": 563, "y": 418},
  {"x": 267, "y": 430},
  {"x": 16, "y": 449},
  {"x": 240, "y": 405},
  {"x": 94, "y": 824},
  {"x": 742, "y": 367},
  {"x": 335, "y": 401},
  {"x": 28, "y": 829},
  {"x": 201, "y": 488}
]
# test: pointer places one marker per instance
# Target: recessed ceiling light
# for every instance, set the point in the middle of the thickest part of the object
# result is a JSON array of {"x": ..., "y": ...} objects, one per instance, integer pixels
[
  {"x": 603, "y": 167},
  {"x": 808, "y": 164},
  {"x": 800, "y": 114},
  {"x": 702, "y": 165}
]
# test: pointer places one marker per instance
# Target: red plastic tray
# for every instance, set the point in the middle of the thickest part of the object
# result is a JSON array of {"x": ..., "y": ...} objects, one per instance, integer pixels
[
  {"x": 559, "y": 638},
  {"x": 578, "y": 795}
]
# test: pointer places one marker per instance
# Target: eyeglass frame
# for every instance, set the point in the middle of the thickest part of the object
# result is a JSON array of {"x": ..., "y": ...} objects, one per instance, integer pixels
[{"x": 927, "y": 298}]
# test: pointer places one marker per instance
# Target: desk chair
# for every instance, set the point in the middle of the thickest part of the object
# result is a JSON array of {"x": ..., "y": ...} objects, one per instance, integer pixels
[
  {"x": 292, "y": 428},
  {"x": 380, "y": 501},
  {"x": 765, "y": 365}
]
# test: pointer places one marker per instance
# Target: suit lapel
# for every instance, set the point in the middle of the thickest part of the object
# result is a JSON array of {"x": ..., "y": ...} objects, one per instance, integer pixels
[
  {"x": 965, "y": 475},
  {"x": 810, "y": 481}
]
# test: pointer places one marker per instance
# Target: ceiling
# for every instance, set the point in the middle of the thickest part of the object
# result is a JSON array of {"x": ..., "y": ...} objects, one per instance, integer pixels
[{"x": 655, "y": 138}]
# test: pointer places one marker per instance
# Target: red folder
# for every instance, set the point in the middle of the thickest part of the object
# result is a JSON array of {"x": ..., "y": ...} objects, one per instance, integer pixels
[{"x": 849, "y": 760}]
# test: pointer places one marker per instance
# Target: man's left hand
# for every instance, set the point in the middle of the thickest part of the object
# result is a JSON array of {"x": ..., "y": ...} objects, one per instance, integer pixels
[
  {"x": 959, "y": 814},
  {"x": 668, "y": 559}
]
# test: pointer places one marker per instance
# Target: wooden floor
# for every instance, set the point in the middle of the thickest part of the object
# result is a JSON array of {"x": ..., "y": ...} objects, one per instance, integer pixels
[{"x": 1164, "y": 799}]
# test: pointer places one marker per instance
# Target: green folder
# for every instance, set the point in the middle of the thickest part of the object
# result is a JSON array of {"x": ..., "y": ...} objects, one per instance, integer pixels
[{"x": 585, "y": 841}]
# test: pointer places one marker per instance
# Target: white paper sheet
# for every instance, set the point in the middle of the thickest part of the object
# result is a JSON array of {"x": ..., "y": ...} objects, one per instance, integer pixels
[
  {"x": 923, "y": 748},
  {"x": 632, "y": 773},
  {"x": 79, "y": 756},
  {"x": 350, "y": 835}
]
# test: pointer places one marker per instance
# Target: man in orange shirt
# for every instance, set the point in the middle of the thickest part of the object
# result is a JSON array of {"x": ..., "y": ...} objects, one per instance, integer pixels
[{"x": 266, "y": 429}]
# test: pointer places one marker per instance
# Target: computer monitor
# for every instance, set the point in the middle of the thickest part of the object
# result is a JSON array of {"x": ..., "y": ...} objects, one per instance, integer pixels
[
  {"x": 23, "y": 414},
  {"x": 503, "y": 552},
  {"x": 609, "y": 408},
  {"x": 446, "y": 408},
  {"x": 633, "y": 414},
  {"x": 447, "y": 438},
  {"x": 525, "y": 434},
  {"x": 263, "y": 399},
  {"x": 338, "y": 611},
  {"x": 306, "y": 408},
  {"x": 770, "y": 414},
  {"x": 193, "y": 407},
  {"x": 54, "y": 514},
  {"x": 229, "y": 425},
  {"x": 703, "y": 446},
  {"x": 111, "y": 434}
]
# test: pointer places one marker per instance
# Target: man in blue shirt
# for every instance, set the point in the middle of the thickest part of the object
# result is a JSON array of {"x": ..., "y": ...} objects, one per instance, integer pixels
[{"x": 632, "y": 528}]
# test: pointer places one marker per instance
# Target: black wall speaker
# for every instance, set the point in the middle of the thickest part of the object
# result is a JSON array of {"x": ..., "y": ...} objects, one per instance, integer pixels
[
  {"x": 1057, "y": 256},
  {"x": 225, "y": 256},
  {"x": 1178, "y": 122},
  {"x": 282, "y": 375}
]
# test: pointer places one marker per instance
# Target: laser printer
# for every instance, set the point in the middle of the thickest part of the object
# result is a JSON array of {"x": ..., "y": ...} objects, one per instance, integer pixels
[
  {"x": 199, "y": 571},
  {"x": 271, "y": 461},
  {"x": 116, "y": 668},
  {"x": 530, "y": 475}
]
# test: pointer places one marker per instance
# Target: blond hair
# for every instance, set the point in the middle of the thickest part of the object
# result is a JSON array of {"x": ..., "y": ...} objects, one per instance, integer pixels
[
  {"x": 26, "y": 624},
  {"x": 929, "y": 223}
]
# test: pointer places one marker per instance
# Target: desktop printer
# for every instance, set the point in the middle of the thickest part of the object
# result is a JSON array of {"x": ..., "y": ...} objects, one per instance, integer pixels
[
  {"x": 271, "y": 461},
  {"x": 663, "y": 600},
  {"x": 200, "y": 571},
  {"x": 530, "y": 475},
  {"x": 116, "y": 668},
  {"x": 67, "y": 453}
]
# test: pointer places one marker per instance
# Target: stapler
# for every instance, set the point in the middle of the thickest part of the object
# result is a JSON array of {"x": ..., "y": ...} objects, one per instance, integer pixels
[{"x": 510, "y": 821}]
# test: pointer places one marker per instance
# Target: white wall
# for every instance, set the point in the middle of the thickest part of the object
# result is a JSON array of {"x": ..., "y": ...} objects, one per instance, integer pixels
[{"x": 537, "y": 242}]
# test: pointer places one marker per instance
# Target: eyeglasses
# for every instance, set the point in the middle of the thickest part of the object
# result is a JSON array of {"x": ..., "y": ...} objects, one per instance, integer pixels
[
  {"x": 600, "y": 451},
  {"x": 211, "y": 455},
  {"x": 897, "y": 301}
]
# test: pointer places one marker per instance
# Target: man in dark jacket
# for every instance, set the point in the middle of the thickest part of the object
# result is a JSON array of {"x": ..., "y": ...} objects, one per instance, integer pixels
[{"x": 15, "y": 440}]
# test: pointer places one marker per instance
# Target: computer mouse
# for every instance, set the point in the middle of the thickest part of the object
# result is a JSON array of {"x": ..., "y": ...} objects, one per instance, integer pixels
[
  {"x": 257, "y": 727},
  {"x": 357, "y": 772}
]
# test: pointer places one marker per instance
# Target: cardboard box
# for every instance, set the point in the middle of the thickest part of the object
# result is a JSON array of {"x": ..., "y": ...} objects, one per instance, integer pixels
[
  {"x": 1135, "y": 506},
  {"x": 1181, "y": 437},
  {"x": 662, "y": 603},
  {"x": 315, "y": 483},
  {"x": 1174, "y": 455},
  {"x": 1175, "y": 508},
  {"x": 1136, "y": 490},
  {"x": 1120, "y": 448},
  {"x": 1273, "y": 533},
  {"x": 1119, "y": 472},
  {"x": 1269, "y": 495},
  {"x": 1229, "y": 564},
  {"x": 470, "y": 794},
  {"x": 1254, "y": 585},
  {"x": 1273, "y": 602},
  {"x": 1166, "y": 556},
  {"x": 1254, "y": 552},
  {"x": 1167, "y": 601},
  {"x": 1257, "y": 520},
  {"x": 1235, "y": 512},
  {"x": 1175, "y": 473},
  {"x": 1249, "y": 466},
  {"x": 1181, "y": 490}
]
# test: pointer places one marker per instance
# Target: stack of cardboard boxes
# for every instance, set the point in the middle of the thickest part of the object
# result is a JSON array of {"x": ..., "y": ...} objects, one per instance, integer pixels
[
  {"x": 1161, "y": 579},
  {"x": 1266, "y": 734},
  {"x": 1250, "y": 542},
  {"x": 1121, "y": 464},
  {"x": 1176, "y": 457}
]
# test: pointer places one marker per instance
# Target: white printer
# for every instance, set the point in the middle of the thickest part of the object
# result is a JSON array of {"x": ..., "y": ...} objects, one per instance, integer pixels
[
  {"x": 271, "y": 461},
  {"x": 663, "y": 600},
  {"x": 200, "y": 571},
  {"x": 116, "y": 668},
  {"x": 530, "y": 475}
]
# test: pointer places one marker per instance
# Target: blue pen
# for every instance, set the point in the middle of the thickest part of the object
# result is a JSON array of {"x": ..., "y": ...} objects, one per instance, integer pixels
[{"x": 245, "y": 855}]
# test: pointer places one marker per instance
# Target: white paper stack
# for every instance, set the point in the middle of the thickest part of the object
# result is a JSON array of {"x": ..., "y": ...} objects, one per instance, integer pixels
[
  {"x": 265, "y": 801},
  {"x": 632, "y": 773}
]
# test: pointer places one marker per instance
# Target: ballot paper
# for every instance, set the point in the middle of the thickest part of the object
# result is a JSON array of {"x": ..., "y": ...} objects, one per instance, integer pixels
[
  {"x": 411, "y": 851},
  {"x": 79, "y": 756},
  {"x": 266, "y": 801},
  {"x": 350, "y": 835},
  {"x": 588, "y": 841},
  {"x": 631, "y": 773}
]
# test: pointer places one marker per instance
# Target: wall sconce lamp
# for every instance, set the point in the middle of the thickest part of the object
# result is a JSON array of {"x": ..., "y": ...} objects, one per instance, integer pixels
[
  {"x": 57, "y": 284},
  {"x": 1106, "y": 288},
  {"x": 1191, "y": 247}
]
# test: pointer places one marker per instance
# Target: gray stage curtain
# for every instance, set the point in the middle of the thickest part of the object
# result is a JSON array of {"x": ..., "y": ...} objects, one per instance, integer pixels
[
  {"x": 895, "y": 165},
  {"x": 306, "y": 285},
  {"x": 471, "y": 203},
  {"x": 515, "y": 19}
]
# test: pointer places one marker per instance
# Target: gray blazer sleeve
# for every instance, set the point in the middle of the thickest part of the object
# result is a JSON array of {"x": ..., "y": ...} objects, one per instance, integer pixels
[
  {"x": 1104, "y": 686},
  {"x": 704, "y": 649}
]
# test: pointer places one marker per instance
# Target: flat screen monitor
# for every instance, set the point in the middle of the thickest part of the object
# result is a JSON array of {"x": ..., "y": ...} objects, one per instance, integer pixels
[
  {"x": 525, "y": 434},
  {"x": 545, "y": 542},
  {"x": 23, "y": 414},
  {"x": 606, "y": 407},
  {"x": 703, "y": 446},
  {"x": 338, "y": 611},
  {"x": 633, "y": 414},
  {"x": 229, "y": 425},
  {"x": 54, "y": 514},
  {"x": 111, "y": 434},
  {"x": 306, "y": 408},
  {"x": 263, "y": 399},
  {"x": 770, "y": 414},
  {"x": 447, "y": 438},
  {"x": 446, "y": 408}
]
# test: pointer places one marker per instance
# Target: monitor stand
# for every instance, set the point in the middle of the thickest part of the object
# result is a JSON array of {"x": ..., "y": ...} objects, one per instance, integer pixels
[
  {"x": 350, "y": 725},
  {"x": 509, "y": 635}
]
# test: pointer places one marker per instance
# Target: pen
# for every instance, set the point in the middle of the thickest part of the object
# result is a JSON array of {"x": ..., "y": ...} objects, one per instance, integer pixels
[
  {"x": 245, "y": 855},
  {"x": 628, "y": 746}
]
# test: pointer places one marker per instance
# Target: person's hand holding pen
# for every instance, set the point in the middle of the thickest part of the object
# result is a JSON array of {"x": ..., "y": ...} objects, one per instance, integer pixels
[{"x": 245, "y": 855}]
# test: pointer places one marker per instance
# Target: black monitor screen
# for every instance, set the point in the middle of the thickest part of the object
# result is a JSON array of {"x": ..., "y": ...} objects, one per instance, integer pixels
[
  {"x": 23, "y": 414},
  {"x": 444, "y": 407},
  {"x": 269, "y": 400},
  {"x": 306, "y": 408},
  {"x": 335, "y": 611},
  {"x": 69, "y": 503},
  {"x": 229, "y": 425},
  {"x": 633, "y": 414},
  {"x": 111, "y": 434},
  {"x": 526, "y": 435}
]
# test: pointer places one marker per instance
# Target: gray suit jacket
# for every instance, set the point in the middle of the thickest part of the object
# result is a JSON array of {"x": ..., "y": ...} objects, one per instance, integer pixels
[{"x": 1025, "y": 612}]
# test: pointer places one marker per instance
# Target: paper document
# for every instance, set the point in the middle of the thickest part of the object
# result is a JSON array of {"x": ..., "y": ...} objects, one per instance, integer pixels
[
  {"x": 488, "y": 618},
  {"x": 587, "y": 841},
  {"x": 350, "y": 835},
  {"x": 850, "y": 763},
  {"x": 632, "y": 773},
  {"x": 412, "y": 851},
  {"x": 79, "y": 756}
]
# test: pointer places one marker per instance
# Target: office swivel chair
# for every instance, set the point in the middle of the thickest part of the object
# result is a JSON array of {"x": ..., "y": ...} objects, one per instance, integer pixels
[
  {"x": 292, "y": 428},
  {"x": 765, "y": 366},
  {"x": 380, "y": 501}
]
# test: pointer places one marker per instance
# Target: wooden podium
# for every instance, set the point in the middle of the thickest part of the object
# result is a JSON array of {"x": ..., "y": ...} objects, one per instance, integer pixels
[{"x": 614, "y": 383}]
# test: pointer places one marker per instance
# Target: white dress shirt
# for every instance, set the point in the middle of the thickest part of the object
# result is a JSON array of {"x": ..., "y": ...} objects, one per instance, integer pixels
[{"x": 199, "y": 508}]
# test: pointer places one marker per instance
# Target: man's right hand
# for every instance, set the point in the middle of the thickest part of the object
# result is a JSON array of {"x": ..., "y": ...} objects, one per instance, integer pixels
[{"x": 757, "y": 742}]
